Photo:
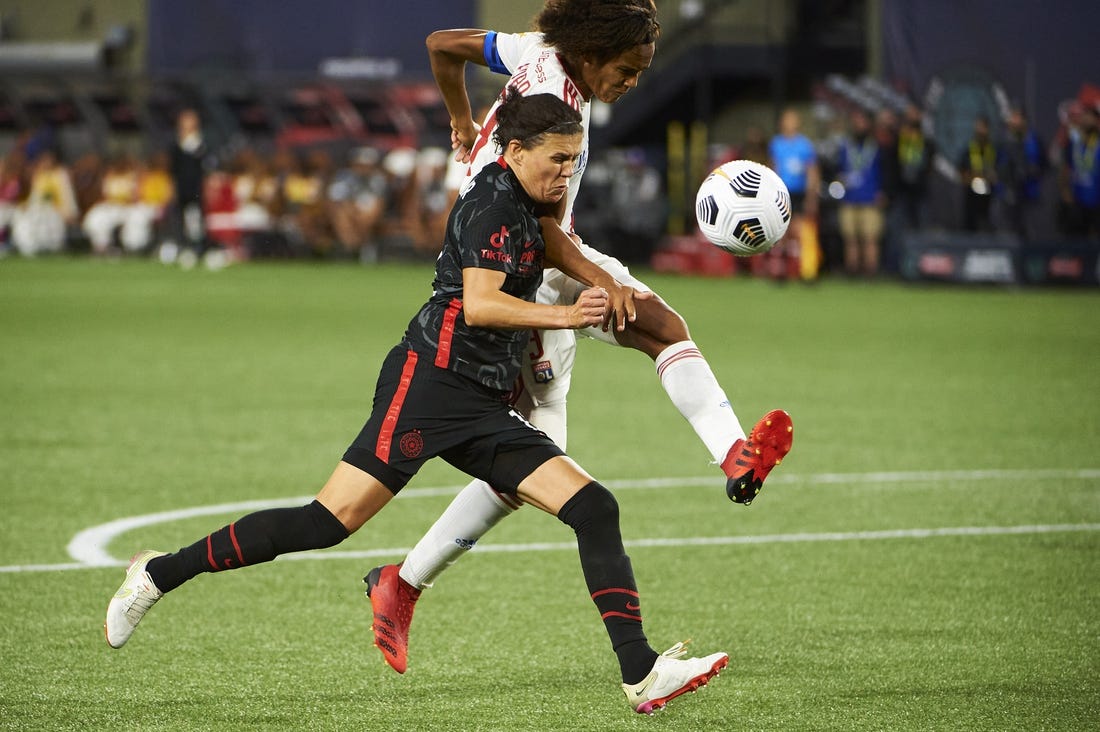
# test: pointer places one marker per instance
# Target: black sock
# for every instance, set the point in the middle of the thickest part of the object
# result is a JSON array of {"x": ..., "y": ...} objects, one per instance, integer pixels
[
  {"x": 594, "y": 515},
  {"x": 255, "y": 538}
]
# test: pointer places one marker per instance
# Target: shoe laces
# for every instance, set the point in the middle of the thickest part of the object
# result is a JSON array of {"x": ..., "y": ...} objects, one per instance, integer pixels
[
  {"x": 142, "y": 599},
  {"x": 677, "y": 651}
]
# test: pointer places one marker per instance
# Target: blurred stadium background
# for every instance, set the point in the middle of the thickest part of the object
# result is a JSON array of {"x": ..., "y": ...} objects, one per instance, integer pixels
[{"x": 292, "y": 90}]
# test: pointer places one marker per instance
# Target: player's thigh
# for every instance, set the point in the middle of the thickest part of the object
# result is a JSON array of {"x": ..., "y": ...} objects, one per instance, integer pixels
[
  {"x": 553, "y": 483},
  {"x": 353, "y": 496}
]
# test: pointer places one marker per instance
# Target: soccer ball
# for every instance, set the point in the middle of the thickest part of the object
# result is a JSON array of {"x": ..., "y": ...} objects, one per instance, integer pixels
[{"x": 743, "y": 207}]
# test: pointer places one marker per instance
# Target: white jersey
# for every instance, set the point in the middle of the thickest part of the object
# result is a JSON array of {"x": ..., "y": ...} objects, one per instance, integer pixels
[{"x": 535, "y": 68}]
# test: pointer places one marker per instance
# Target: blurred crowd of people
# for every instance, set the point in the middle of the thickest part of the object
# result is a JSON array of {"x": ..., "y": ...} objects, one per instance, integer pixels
[
  {"x": 189, "y": 201},
  {"x": 874, "y": 177},
  {"x": 868, "y": 179}
]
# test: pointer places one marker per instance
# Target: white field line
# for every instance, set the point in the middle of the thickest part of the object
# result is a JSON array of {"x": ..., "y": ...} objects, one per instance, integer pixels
[
  {"x": 89, "y": 547},
  {"x": 728, "y": 540}
]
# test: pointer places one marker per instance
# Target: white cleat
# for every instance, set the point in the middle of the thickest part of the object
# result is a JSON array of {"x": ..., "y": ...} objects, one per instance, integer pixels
[
  {"x": 132, "y": 601},
  {"x": 672, "y": 676}
]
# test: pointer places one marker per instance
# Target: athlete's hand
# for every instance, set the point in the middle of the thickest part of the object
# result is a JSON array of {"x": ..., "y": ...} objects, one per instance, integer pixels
[
  {"x": 620, "y": 305},
  {"x": 462, "y": 140},
  {"x": 589, "y": 309}
]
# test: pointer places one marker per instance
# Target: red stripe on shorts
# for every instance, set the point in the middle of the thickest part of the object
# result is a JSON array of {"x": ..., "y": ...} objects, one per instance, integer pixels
[
  {"x": 389, "y": 423},
  {"x": 447, "y": 333}
]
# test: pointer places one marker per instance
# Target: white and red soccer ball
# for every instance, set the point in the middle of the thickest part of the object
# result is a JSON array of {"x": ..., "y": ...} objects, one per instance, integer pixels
[{"x": 743, "y": 207}]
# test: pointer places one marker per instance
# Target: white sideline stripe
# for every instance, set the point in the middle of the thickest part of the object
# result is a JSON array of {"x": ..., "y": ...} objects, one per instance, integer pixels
[
  {"x": 730, "y": 540},
  {"x": 88, "y": 547}
]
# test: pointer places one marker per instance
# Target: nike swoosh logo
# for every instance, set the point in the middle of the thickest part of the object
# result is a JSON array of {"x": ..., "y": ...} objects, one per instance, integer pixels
[
  {"x": 633, "y": 607},
  {"x": 641, "y": 693}
]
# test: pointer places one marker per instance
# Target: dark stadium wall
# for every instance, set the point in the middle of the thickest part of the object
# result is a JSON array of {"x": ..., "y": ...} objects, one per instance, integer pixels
[{"x": 260, "y": 37}]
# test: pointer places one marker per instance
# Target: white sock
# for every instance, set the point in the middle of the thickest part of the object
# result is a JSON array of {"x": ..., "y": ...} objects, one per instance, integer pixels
[
  {"x": 476, "y": 509},
  {"x": 691, "y": 386}
]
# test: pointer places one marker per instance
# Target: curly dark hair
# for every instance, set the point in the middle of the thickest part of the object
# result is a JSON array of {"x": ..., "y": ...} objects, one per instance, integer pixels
[
  {"x": 598, "y": 30},
  {"x": 529, "y": 118}
]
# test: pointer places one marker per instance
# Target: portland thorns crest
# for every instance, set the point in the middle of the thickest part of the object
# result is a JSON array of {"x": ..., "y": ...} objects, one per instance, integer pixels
[{"x": 412, "y": 444}]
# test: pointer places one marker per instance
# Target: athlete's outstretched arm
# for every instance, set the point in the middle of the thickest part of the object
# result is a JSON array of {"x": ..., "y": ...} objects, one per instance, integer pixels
[
  {"x": 484, "y": 305},
  {"x": 449, "y": 51}
]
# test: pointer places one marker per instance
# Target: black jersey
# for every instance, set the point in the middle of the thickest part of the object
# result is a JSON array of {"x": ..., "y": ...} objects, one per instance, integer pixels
[{"x": 492, "y": 226}]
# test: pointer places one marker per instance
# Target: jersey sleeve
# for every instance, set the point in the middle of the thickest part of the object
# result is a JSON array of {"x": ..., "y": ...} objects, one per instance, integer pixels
[
  {"x": 492, "y": 240},
  {"x": 503, "y": 51}
]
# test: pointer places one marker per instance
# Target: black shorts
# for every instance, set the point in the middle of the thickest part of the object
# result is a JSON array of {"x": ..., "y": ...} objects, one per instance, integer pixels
[{"x": 421, "y": 411}]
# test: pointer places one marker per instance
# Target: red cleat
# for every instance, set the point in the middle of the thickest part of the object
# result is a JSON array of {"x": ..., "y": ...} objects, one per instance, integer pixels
[
  {"x": 749, "y": 461},
  {"x": 392, "y": 600}
]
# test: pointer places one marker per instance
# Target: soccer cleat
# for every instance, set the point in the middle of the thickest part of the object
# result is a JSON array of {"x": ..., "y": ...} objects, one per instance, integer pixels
[
  {"x": 749, "y": 461},
  {"x": 133, "y": 599},
  {"x": 393, "y": 600},
  {"x": 672, "y": 676}
]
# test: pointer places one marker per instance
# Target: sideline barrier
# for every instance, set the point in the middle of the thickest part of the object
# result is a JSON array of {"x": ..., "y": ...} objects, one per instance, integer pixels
[{"x": 998, "y": 258}]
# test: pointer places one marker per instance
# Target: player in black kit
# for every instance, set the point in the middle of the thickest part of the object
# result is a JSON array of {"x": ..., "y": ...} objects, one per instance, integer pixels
[{"x": 443, "y": 391}]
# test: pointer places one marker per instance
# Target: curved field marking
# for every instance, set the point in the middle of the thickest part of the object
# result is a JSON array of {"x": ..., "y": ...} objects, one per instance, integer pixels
[{"x": 88, "y": 547}]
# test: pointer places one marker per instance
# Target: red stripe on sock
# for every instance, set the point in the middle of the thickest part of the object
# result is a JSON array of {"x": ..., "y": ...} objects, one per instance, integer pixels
[
  {"x": 446, "y": 333},
  {"x": 609, "y": 590},
  {"x": 616, "y": 614},
  {"x": 389, "y": 423},
  {"x": 236, "y": 546},
  {"x": 508, "y": 499},
  {"x": 676, "y": 358}
]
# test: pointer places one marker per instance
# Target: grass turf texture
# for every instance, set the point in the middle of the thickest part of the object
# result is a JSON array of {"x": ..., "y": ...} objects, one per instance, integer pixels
[{"x": 128, "y": 388}]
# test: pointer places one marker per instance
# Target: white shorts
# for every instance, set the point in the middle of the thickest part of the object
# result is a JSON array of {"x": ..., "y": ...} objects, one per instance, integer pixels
[{"x": 548, "y": 360}]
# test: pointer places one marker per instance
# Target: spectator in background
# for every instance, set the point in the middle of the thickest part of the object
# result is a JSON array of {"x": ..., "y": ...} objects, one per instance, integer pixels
[
  {"x": 189, "y": 161},
  {"x": 356, "y": 201},
  {"x": 792, "y": 156},
  {"x": 978, "y": 171},
  {"x": 915, "y": 153},
  {"x": 859, "y": 166},
  {"x": 886, "y": 135},
  {"x": 639, "y": 206},
  {"x": 86, "y": 173},
  {"x": 12, "y": 187},
  {"x": 433, "y": 197},
  {"x": 118, "y": 194},
  {"x": 154, "y": 194},
  {"x": 402, "y": 225},
  {"x": 256, "y": 192},
  {"x": 222, "y": 232},
  {"x": 1080, "y": 176},
  {"x": 304, "y": 215},
  {"x": 754, "y": 147},
  {"x": 41, "y": 223},
  {"x": 1021, "y": 167}
]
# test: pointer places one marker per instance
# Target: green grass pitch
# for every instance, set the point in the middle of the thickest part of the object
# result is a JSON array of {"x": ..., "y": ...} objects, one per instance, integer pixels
[{"x": 928, "y": 556}]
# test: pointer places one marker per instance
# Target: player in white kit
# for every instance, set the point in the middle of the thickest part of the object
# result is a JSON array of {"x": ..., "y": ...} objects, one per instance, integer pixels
[{"x": 584, "y": 49}]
